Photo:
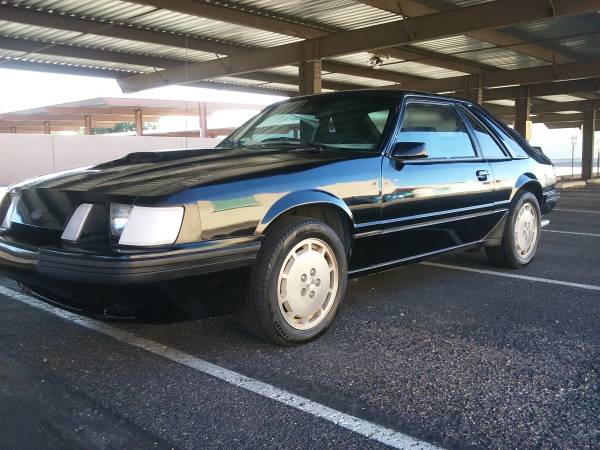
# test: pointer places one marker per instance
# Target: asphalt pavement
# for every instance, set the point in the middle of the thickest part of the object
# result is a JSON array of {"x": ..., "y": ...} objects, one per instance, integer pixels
[{"x": 459, "y": 354}]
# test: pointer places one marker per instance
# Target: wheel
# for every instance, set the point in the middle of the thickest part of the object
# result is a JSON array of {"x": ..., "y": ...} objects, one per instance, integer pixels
[
  {"x": 521, "y": 234},
  {"x": 297, "y": 283}
]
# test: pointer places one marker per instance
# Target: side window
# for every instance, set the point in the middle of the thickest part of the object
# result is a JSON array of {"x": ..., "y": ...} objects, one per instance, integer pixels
[
  {"x": 440, "y": 127},
  {"x": 488, "y": 145}
]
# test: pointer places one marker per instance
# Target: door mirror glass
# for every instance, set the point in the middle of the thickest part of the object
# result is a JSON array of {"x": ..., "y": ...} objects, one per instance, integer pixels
[{"x": 410, "y": 150}]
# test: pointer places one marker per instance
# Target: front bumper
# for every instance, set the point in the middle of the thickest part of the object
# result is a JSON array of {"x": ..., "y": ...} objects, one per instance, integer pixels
[{"x": 126, "y": 268}]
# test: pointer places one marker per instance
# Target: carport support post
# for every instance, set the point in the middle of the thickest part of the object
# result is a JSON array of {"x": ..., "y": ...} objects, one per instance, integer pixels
[
  {"x": 523, "y": 112},
  {"x": 589, "y": 126},
  {"x": 473, "y": 90},
  {"x": 310, "y": 77},
  {"x": 88, "y": 124},
  {"x": 139, "y": 124},
  {"x": 203, "y": 120}
]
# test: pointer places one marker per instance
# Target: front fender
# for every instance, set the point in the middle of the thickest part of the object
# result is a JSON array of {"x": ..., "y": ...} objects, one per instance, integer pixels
[{"x": 301, "y": 198}]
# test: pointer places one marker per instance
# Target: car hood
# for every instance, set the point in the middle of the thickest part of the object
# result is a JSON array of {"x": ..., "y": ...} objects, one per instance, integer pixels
[{"x": 155, "y": 174}]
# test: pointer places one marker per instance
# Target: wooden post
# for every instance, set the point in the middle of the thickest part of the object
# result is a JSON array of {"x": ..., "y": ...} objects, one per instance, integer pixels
[
  {"x": 88, "y": 124},
  {"x": 203, "y": 120},
  {"x": 139, "y": 124}
]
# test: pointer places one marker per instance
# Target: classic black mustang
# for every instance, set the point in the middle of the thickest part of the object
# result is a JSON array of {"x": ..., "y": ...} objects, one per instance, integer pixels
[{"x": 310, "y": 191}]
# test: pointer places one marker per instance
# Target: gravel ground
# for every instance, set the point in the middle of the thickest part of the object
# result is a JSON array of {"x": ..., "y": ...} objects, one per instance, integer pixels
[{"x": 455, "y": 358}]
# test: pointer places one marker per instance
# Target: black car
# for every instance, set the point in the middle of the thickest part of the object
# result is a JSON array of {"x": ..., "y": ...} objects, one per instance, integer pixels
[{"x": 310, "y": 191}]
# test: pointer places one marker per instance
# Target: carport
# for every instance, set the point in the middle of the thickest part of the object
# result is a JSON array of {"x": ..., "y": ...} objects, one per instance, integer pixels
[
  {"x": 453, "y": 353},
  {"x": 534, "y": 61}
]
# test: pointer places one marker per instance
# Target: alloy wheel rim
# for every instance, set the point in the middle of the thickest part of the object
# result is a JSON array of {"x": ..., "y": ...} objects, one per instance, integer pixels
[
  {"x": 526, "y": 231},
  {"x": 307, "y": 284}
]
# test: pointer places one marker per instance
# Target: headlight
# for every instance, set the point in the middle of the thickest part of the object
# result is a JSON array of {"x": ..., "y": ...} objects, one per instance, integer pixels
[
  {"x": 142, "y": 226},
  {"x": 119, "y": 215}
]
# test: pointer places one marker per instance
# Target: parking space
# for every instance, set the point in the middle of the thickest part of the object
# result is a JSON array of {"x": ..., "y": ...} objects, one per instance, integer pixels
[{"x": 458, "y": 354}]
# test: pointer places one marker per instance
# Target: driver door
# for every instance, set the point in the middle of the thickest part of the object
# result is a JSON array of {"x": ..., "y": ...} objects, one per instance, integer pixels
[{"x": 440, "y": 202}]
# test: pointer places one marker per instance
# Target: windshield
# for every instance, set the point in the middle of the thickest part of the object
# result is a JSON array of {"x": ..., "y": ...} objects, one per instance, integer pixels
[{"x": 328, "y": 121}]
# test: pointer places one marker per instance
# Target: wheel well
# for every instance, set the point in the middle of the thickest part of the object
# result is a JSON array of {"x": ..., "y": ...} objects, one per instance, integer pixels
[
  {"x": 535, "y": 189},
  {"x": 331, "y": 215}
]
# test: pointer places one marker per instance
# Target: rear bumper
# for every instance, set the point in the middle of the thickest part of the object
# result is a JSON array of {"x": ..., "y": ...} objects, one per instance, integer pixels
[{"x": 130, "y": 268}]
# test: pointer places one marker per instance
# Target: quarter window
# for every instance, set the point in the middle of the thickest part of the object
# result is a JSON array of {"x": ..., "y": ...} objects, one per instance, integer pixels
[
  {"x": 439, "y": 127},
  {"x": 513, "y": 147},
  {"x": 488, "y": 145}
]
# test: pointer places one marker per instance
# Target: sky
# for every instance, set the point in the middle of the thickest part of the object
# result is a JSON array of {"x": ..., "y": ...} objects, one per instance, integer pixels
[
  {"x": 21, "y": 89},
  {"x": 24, "y": 90}
]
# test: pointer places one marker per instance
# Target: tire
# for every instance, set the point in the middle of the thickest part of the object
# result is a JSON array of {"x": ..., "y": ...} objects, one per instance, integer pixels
[
  {"x": 285, "y": 285},
  {"x": 519, "y": 246}
]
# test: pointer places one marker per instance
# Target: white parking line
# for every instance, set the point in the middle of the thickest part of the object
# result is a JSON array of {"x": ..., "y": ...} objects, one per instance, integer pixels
[
  {"x": 571, "y": 232},
  {"x": 577, "y": 210},
  {"x": 589, "y": 287},
  {"x": 363, "y": 427}
]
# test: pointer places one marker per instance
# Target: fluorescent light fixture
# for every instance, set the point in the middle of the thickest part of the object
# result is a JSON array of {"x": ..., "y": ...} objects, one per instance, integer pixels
[{"x": 152, "y": 226}]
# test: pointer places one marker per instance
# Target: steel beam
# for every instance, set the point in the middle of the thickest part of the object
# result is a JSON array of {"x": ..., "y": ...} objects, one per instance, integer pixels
[
  {"x": 268, "y": 21},
  {"x": 27, "y": 16},
  {"x": 84, "y": 26},
  {"x": 448, "y": 23},
  {"x": 552, "y": 88},
  {"x": 279, "y": 24},
  {"x": 412, "y": 8},
  {"x": 529, "y": 75}
]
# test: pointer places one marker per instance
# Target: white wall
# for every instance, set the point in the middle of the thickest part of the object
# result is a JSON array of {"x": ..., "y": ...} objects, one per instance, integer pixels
[{"x": 24, "y": 156}]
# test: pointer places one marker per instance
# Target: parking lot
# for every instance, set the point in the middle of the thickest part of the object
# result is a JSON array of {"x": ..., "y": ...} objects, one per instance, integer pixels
[{"x": 457, "y": 354}]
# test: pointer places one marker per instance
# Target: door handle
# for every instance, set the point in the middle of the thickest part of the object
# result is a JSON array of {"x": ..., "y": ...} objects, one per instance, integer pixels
[{"x": 482, "y": 175}]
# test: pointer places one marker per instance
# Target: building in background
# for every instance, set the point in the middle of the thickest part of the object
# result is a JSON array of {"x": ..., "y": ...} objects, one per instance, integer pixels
[{"x": 131, "y": 116}]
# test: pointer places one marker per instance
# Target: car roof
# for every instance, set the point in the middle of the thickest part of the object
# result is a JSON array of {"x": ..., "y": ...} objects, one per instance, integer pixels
[{"x": 379, "y": 91}]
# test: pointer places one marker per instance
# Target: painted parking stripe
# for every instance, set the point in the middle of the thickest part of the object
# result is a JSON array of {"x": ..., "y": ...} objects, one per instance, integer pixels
[
  {"x": 589, "y": 287},
  {"x": 363, "y": 427},
  {"x": 577, "y": 233},
  {"x": 587, "y": 211}
]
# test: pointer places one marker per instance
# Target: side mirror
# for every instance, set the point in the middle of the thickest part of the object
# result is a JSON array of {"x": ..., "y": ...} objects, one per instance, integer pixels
[{"x": 409, "y": 150}]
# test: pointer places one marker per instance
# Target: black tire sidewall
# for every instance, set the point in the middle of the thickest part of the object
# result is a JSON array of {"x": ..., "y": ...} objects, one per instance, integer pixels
[{"x": 312, "y": 229}]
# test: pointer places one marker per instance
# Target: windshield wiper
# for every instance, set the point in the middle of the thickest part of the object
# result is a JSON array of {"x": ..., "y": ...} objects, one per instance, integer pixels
[{"x": 298, "y": 143}]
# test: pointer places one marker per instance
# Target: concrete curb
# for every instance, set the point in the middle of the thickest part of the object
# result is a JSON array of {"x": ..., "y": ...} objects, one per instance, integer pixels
[
  {"x": 576, "y": 183},
  {"x": 570, "y": 184}
]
